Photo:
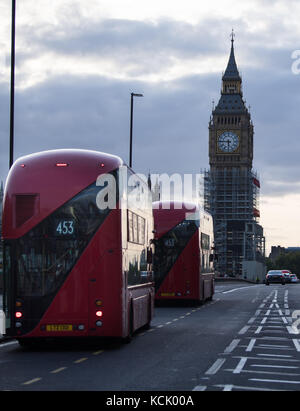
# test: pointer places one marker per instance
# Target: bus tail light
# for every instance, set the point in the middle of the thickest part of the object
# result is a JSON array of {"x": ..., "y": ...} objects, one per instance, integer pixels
[
  {"x": 99, "y": 323},
  {"x": 61, "y": 164},
  {"x": 99, "y": 313},
  {"x": 18, "y": 314}
]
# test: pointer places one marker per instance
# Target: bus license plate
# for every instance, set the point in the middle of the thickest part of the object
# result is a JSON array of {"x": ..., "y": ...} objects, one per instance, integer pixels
[{"x": 59, "y": 327}]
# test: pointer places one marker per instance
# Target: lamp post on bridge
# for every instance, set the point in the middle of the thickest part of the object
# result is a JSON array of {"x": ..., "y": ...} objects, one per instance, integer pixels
[
  {"x": 12, "y": 84},
  {"x": 131, "y": 125}
]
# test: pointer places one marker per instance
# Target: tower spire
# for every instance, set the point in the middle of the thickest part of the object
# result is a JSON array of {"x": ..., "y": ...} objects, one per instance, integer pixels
[
  {"x": 232, "y": 72},
  {"x": 232, "y": 35},
  {"x": 231, "y": 85}
]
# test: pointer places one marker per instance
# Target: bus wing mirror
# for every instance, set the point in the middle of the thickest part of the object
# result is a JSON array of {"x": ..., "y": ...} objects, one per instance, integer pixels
[
  {"x": 149, "y": 256},
  {"x": 213, "y": 257}
]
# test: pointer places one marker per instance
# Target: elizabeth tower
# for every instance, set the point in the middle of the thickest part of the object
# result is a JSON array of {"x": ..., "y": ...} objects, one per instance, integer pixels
[{"x": 232, "y": 185}]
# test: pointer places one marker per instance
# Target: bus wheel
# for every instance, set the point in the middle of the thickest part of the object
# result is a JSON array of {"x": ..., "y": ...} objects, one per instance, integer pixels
[
  {"x": 25, "y": 342},
  {"x": 128, "y": 338},
  {"x": 147, "y": 326}
]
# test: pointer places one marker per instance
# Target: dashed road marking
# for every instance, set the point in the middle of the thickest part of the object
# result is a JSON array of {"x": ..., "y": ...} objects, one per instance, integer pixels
[
  {"x": 32, "y": 381},
  {"x": 215, "y": 367},
  {"x": 251, "y": 345},
  {"x": 100, "y": 351},
  {"x": 200, "y": 388},
  {"x": 232, "y": 346},
  {"x": 80, "y": 360},
  {"x": 58, "y": 370},
  {"x": 240, "y": 365},
  {"x": 275, "y": 381}
]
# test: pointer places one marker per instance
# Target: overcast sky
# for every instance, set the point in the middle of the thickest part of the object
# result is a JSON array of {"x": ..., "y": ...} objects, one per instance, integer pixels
[{"x": 77, "y": 63}]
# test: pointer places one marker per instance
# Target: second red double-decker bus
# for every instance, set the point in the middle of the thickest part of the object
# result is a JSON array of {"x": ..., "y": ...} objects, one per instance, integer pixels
[
  {"x": 76, "y": 243},
  {"x": 183, "y": 264}
]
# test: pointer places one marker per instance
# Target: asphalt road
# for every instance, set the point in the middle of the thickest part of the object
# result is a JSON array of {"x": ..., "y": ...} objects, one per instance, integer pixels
[{"x": 243, "y": 340}]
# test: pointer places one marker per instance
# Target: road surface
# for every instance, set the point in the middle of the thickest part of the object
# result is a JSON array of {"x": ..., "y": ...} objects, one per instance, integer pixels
[{"x": 245, "y": 339}]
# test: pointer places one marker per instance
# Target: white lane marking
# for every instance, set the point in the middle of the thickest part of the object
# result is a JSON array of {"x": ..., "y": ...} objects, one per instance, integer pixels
[
  {"x": 32, "y": 381},
  {"x": 251, "y": 345},
  {"x": 239, "y": 387},
  {"x": 215, "y": 367},
  {"x": 275, "y": 355},
  {"x": 280, "y": 312},
  {"x": 274, "y": 366},
  {"x": 232, "y": 346},
  {"x": 58, "y": 370},
  {"x": 274, "y": 326},
  {"x": 228, "y": 387},
  {"x": 240, "y": 365},
  {"x": 258, "y": 330},
  {"x": 8, "y": 343},
  {"x": 236, "y": 289},
  {"x": 275, "y": 338},
  {"x": 244, "y": 329},
  {"x": 200, "y": 388},
  {"x": 279, "y": 381},
  {"x": 80, "y": 360},
  {"x": 297, "y": 345},
  {"x": 99, "y": 352},
  {"x": 269, "y": 357},
  {"x": 263, "y": 321},
  {"x": 277, "y": 374},
  {"x": 274, "y": 346},
  {"x": 292, "y": 330}
]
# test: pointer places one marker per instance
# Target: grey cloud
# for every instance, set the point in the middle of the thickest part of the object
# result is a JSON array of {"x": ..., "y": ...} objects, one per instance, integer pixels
[{"x": 171, "y": 121}]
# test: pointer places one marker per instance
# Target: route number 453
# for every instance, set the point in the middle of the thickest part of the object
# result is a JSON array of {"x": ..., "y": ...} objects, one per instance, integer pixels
[
  {"x": 65, "y": 227},
  {"x": 296, "y": 323}
]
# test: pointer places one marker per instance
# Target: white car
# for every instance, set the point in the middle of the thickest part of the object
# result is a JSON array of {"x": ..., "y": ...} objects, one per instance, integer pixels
[
  {"x": 294, "y": 278},
  {"x": 287, "y": 275}
]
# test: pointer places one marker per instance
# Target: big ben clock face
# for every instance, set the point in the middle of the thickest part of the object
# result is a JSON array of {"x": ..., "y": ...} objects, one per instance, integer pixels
[{"x": 228, "y": 142}]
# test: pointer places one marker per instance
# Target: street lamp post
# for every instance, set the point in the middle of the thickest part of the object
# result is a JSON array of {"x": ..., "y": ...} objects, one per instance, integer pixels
[
  {"x": 131, "y": 125},
  {"x": 12, "y": 84}
]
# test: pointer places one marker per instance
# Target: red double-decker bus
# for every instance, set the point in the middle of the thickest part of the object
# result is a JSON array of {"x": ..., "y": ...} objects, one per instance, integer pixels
[
  {"x": 183, "y": 264},
  {"x": 76, "y": 260}
]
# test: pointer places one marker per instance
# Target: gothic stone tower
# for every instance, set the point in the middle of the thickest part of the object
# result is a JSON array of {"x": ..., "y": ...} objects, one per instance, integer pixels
[
  {"x": 231, "y": 128},
  {"x": 232, "y": 186}
]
